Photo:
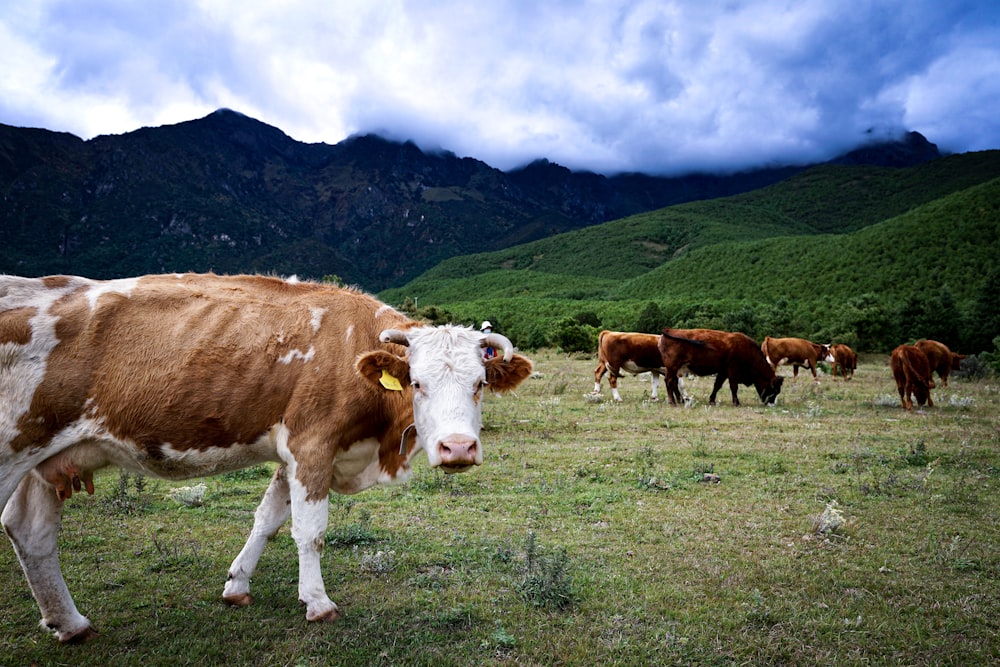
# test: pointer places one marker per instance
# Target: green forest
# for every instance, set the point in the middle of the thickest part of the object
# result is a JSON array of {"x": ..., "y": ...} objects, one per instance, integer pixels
[{"x": 868, "y": 256}]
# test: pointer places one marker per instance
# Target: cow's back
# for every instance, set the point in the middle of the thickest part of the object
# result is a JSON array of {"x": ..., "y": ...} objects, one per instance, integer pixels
[{"x": 196, "y": 361}]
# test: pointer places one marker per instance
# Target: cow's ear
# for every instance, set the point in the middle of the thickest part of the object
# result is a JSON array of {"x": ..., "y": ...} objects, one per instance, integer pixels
[
  {"x": 502, "y": 376},
  {"x": 383, "y": 370}
]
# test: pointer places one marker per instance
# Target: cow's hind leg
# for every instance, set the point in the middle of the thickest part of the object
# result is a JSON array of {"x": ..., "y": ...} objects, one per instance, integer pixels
[
  {"x": 32, "y": 519},
  {"x": 613, "y": 376},
  {"x": 271, "y": 514},
  {"x": 719, "y": 380}
]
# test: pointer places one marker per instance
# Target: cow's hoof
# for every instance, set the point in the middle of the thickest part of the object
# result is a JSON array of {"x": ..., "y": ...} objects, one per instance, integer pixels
[
  {"x": 328, "y": 616},
  {"x": 241, "y": 600},
  {"x": 81, "y": 636}
]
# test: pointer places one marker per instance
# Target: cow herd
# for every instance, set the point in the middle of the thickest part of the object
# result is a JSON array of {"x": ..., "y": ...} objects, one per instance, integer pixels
[{"x": 736, "y": 357}]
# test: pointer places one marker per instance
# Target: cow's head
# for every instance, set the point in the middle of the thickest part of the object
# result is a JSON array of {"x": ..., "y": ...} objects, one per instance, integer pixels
[
  {"x": 446, "y": 372},
  {"x": 825, "y": 354},
  {"x": 769, "y": 390}
]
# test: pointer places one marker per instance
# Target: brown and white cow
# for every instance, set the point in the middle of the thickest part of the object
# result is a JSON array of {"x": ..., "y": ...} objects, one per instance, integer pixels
[
  {"x": 731, "y": 356},
  {"x": 912, "y": 373},
  {"x": 190, "y": 375},
  {"x": 795, "y": 351},
  {"x": 845, "y": 359},
  {"x": 634, "y": 353},
  {"x": 941, "y": 358}
]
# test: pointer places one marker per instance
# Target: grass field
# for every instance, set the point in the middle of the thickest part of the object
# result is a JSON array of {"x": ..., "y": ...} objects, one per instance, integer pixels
[{"x": 841, "y": 530}]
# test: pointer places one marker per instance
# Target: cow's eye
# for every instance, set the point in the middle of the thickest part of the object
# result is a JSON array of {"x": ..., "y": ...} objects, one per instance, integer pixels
[{"x": 416, "y": 385}]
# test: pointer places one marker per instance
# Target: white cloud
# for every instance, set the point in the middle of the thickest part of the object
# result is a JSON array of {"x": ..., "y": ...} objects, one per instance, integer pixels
[{"x": 604, "y": 85}]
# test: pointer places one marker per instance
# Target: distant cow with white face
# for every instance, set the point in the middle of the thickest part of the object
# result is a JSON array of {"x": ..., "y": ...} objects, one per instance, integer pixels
[
  {"x": 190, "y": 375},
  {"x": 633, "y": 353}
]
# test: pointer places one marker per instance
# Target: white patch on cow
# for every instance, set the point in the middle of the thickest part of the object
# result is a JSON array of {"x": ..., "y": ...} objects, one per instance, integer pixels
[
  {"x": 24, "y": 366},
  {"x": 292, "y": 279},
  {"x": 317, "y": 317},
  {"x": 350, "y": 332},
  {"x": 631, "y": 367},
  {"x": 356, "y": 468},
  {"x": 298, "y": 355},
  {"x": 123, "y": 286},
  {"x": 383, "y": 310}
]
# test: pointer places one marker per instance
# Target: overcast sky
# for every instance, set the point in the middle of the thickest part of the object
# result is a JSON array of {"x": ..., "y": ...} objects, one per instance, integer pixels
[{"x": 604, "y": 85}]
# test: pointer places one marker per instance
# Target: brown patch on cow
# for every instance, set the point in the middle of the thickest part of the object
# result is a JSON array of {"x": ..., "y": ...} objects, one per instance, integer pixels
[
  {"x": 56, "y": 282},
  {"x": 15, "y": 325}
]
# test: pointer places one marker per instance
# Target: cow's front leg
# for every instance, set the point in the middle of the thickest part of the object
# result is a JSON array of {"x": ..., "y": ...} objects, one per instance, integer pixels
[
  {"x": 309, "y": 520},
  {"x": 32, "y": 519},
  {"x": 271, "y": 514}
]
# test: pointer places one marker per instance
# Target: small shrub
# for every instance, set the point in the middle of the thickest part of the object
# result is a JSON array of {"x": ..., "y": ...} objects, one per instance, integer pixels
[
  {"x": 980, "y": 366},
  {"x": 917, "y": 456},
  {"x": 546, "y": 580},
  {"x": 353, "y": 534},
  {"x": 128, "y": 496}
]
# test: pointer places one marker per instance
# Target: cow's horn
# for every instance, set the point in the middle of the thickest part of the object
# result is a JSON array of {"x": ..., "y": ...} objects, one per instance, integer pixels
[
  {"x": 394, "y": 336},
  {"x": 502, "y": 342}
]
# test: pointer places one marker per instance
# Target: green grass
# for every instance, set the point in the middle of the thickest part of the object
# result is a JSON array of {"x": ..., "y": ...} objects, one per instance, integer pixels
[{"x": 588, "y": 537}]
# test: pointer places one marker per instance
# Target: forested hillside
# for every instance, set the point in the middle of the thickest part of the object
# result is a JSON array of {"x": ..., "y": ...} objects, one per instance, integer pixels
[{"x": 914, "y": 254}]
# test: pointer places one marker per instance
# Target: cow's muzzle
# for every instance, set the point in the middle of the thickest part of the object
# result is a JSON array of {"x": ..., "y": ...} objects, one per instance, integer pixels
[{"x": 459, "y": 453}]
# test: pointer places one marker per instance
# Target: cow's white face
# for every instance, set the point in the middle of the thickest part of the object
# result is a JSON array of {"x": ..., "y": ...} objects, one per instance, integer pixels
[
  {"x": 445, "y": 369},
  {"x": 448, "y": 380}
]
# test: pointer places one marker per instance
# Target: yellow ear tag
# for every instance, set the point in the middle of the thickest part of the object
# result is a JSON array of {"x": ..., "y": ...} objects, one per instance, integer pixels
[{"x": 389, "y": 382}]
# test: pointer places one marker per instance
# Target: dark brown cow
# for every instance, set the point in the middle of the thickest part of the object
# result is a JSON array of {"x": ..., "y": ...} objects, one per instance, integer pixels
[
  {"x": 845, "y": 358},
  {"x": 941, "y": 358},
  {"x": 912, "y": 373},
  {"x": 795, "y": 351},
  {"x": 191, "y": 375},
  {"x": 633, "y": 353},
  {"x": 731, "y": 356}
]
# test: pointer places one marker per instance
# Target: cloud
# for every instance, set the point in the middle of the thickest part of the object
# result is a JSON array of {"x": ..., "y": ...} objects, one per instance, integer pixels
[{"x": 609, "y": 86}]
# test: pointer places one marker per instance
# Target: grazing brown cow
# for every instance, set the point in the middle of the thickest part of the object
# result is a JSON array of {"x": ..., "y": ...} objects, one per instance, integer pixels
[
  {"x": 845, "y": 358},
  {"x": 731, "y": 356},
  {"x": 941, "y": 358},
  {"x": 191, "y": 375},
  {"x": 795, "y": 351},
  {"x": 631, "y": 352},
  {"x": 912, "y": 373}
]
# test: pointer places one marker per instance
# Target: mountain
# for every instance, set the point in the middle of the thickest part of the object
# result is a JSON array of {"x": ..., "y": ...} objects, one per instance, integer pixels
[
  {"x": 231, "y": 194},
  {"x": 870, "y": 256}
]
